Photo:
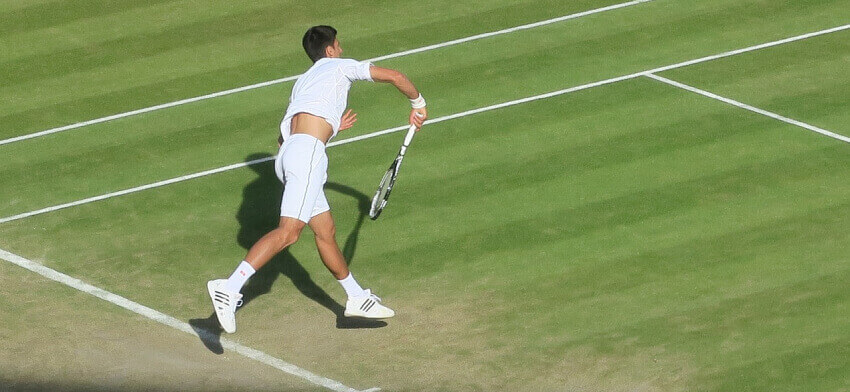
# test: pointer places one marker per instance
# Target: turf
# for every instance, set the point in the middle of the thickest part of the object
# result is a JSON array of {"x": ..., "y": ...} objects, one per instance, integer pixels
[
  {"x": 196, "y": 137},
  {"x": 58, "y": 339},
  {"x": 633, "y": 236},
  {"x": 82, "y": 64}
]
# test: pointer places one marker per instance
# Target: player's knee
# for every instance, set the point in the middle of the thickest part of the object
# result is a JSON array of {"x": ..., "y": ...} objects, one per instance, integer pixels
[
  {"x": 288, "y": 236},
  {"x": 326, "y": 234}
]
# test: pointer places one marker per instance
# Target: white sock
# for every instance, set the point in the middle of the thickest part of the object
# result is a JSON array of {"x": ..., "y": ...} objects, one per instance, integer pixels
[
  {"x": 239, "y": 277},
  {"x": 352, "y": 288}
]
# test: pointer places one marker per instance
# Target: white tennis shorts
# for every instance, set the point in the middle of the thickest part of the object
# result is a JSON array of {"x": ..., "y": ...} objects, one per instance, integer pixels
[{"x": 302, "y": 166}]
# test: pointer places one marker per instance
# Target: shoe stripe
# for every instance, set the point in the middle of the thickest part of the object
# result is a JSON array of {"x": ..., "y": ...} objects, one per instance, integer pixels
[
  {"x": 365, "y": 304},
  {"x": 370, "y": 306}
]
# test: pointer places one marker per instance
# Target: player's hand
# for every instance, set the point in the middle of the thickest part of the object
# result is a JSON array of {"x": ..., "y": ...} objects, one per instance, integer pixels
[
  {"x": 348, "y": 119},
  {"x": 418, "y": 117}
]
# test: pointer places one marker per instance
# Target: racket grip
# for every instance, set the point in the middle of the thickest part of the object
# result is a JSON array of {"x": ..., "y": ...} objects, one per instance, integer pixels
[{"x": 409, "y": 137}]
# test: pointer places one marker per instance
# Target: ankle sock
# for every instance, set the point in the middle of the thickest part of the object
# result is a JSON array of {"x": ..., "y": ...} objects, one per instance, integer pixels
[
  {"x": 352, "y": 288},
  {"x": 239, "y": 277}
]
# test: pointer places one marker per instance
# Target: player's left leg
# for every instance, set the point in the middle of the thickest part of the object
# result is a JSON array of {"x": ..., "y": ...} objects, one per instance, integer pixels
[
  {"x": 225, "y": 293},
  {"x": 302, "y": 165},
  {"x": 360, "y": 303},
  {"x": 325, "y": 232}
]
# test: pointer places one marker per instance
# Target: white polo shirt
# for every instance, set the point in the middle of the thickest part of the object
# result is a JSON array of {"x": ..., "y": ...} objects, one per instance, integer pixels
[{"x": 323, "y": 91}]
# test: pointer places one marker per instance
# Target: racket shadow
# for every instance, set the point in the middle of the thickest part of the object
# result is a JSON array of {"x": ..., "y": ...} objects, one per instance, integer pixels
[{"x": 257, "y": 215}]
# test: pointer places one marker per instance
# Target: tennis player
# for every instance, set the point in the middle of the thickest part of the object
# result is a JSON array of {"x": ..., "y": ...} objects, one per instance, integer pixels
[{"x": 314, "y": 117}]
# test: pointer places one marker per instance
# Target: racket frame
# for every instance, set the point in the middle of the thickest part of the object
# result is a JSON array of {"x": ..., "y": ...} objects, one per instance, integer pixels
[{"x": 378, "y": 205}]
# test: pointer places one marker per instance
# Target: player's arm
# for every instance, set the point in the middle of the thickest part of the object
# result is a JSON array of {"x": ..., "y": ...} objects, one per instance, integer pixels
[{"x": 419, "y": 113}]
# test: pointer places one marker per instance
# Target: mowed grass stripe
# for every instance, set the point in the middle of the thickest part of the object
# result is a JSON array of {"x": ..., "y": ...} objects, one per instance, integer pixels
[
  {"x": 577, "y": 157},
  {"x": 52, "y": 13},
  {"x": 481, "y": 255},
  {"x": 708, "y": 142},
  {"x": 247, "y": 50},
  {"x": 750, "y": 108},
  {"x": 95, "y": 29},
  {"x": 670, "y": 67},
  {"x": 535, "y": 201},
  {"x": 800, "y": 80},
  {"x": 584, "y": 43},
  {"x": 618, "y": 306},
  {"x": 12, "y": 5},
  {"x": 290, "y": 78}
]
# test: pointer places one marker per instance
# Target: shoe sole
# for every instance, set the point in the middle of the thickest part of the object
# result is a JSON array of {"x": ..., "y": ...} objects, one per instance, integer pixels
[{"x": 347, "y": 314}]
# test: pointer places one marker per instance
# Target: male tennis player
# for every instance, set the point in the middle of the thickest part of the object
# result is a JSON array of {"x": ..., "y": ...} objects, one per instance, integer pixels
[{"x": 313, "y": 117}]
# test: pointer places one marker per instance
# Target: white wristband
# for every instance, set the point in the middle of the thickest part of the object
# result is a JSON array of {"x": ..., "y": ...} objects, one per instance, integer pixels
[{"x": 417, "y": 103}]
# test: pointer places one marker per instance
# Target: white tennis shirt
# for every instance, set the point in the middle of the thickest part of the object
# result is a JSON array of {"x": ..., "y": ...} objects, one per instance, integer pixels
[{"x": 323, "y": 91}]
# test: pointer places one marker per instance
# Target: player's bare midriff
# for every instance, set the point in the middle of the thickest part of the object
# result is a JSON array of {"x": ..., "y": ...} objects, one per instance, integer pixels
[{"x": 311, "y": 125}]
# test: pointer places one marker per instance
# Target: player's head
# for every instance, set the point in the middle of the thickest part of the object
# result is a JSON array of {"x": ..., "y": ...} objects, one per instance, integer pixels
[{"x": 320, "y": 42}]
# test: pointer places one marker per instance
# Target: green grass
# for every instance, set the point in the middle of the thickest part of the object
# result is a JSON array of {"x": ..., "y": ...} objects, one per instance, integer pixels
[
  {"x": 134, "y": 56},
  {"x": 56, "y": 338},
  {"x": 634, "y": 236}
]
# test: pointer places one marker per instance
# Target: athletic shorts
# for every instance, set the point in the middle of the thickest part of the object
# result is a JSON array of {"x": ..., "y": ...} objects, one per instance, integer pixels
[{"x": 302, "y": 166}]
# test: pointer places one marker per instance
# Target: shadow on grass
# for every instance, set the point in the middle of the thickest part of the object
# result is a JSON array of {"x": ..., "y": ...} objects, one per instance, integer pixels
[{"x": 258, "y": 215}]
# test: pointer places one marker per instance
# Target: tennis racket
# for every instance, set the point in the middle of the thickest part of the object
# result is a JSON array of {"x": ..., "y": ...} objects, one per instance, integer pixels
[{"x": 379, "y": 201}]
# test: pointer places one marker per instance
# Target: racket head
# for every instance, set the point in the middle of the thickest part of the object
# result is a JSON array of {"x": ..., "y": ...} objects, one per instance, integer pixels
[{"x": 379, "y": 201}]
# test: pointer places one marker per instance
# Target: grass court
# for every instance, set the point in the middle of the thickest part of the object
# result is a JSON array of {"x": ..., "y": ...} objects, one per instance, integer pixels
[{"x": 629, "y": 235}]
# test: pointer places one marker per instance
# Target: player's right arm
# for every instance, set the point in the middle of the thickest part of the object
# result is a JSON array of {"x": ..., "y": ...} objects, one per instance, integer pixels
[{"x": 419, "y": 113}]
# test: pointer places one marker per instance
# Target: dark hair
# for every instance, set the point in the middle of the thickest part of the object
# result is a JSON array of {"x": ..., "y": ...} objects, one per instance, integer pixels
[{"x": 316, "y": 39}]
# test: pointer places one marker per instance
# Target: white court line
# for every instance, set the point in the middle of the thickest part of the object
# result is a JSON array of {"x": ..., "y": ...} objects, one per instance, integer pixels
[
  {"x": 172, "y": 322},
  {"x": 290, "y": 78},
  {"x": 750, "y": 108},
  {"x": 436, "y": 120}
]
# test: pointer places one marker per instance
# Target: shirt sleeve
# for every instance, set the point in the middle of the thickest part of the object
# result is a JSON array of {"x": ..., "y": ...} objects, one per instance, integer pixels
[{"x": 357, "y": 70}]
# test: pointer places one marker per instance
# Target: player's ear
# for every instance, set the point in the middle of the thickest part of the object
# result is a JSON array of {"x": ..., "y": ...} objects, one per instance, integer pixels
[{"x": 329, "y": 51}]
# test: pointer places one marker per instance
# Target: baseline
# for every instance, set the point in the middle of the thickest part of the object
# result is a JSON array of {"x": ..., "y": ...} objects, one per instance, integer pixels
[{"x": 172, "y": 322}]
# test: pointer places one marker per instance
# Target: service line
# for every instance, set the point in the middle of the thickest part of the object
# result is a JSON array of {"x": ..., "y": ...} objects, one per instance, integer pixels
[
  {"x": 750, "y": 108},
  {"x": 647, "y": 73}
]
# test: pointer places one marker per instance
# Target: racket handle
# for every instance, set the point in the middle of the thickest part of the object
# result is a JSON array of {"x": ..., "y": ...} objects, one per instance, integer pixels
[
  {"x": 410, "y": 132},
  {"x": 409, "y": 137}
]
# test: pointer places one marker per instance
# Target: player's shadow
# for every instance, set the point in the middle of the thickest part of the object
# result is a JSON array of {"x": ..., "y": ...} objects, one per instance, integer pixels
[{"x": 258, "y": 215}]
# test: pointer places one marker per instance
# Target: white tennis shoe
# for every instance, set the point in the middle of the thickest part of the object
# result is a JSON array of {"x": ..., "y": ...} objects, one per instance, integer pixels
[
  {"x": 367, "y": 305},
  {"x": 225, "y": 303}
]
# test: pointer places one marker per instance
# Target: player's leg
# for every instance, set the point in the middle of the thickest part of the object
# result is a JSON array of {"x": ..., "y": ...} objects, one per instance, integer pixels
[
  {"x": 360, "y": 303},
  {"x": 303, "y": 164},
  {"x": 225, "y": 293},
  {"x": 323, "y": 227},
  {"x": 287, "y": 233}
]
